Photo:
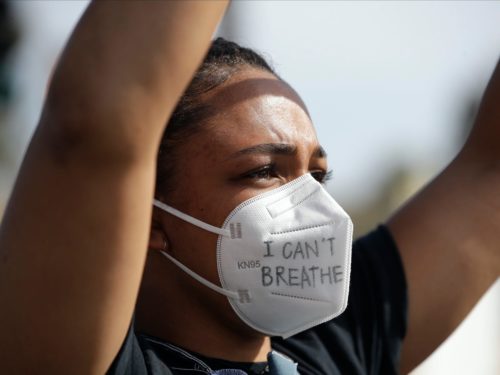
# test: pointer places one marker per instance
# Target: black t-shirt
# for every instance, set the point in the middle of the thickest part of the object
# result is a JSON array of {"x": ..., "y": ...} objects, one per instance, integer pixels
[{"x": 365, "y": 339}]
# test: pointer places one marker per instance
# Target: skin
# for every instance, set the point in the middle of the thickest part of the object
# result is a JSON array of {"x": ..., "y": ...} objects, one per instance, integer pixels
[
  {"x": 448, "y": 236},
  {"x": 219, "y": 168},
  {"x": 74, "y": 237},
  {"x": 69, "y": 288}
]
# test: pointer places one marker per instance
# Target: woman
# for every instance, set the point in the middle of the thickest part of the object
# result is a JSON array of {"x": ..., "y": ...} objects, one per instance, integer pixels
[{"x": 77, "y": 236}]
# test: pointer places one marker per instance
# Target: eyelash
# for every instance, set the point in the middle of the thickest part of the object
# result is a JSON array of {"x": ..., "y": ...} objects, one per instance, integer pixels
[
  {"x": 259, "y": 173},
  {"x": 269, "y": 170},
  {"x": 323, "y": 176}
]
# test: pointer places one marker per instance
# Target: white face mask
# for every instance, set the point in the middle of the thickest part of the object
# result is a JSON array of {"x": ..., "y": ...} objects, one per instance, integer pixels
[{"x": 284, "y": 257}]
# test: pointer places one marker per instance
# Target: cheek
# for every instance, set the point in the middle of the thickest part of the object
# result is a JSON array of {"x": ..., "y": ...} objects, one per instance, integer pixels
[{"x": 193, "y": 246}]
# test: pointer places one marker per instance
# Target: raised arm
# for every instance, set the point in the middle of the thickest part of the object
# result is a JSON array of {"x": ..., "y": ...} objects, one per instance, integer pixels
[
  {"x": 74, "y": 236},
  {"x": 449, "y": 236}
]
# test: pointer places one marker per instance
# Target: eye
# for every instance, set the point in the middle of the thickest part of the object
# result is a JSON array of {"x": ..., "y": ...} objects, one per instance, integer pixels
[
  {"x": 322, "y": 176},
  {"x": 265, "y": 172}
]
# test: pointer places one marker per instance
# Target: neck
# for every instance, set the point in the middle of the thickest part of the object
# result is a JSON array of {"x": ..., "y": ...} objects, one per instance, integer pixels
[{"x": 198, "y": 319}]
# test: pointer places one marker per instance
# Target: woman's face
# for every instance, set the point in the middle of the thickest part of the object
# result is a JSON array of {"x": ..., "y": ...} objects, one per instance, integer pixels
[{"x": 260, "y": 138}]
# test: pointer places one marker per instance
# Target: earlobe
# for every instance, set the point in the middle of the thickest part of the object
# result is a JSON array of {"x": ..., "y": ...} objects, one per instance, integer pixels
[{"x": 158, "y": 240}]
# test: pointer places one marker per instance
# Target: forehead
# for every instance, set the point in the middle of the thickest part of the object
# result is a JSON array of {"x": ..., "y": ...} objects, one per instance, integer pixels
[{"x": 255, "y": 107}]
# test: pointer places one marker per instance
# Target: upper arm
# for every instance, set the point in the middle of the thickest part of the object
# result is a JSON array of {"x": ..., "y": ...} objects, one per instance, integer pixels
[
  {"x": 448, "y": 235},
  {"x": 73, "y": 243},
  {"x": 74, "y": 235}
]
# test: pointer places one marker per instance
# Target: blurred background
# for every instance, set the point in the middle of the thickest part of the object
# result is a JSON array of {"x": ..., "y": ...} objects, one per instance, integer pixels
[{"x": 393, "y": 88}]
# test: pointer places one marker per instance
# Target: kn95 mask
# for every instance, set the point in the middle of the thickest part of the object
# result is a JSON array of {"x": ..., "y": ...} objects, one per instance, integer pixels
[{"x": 283, "y": 257}]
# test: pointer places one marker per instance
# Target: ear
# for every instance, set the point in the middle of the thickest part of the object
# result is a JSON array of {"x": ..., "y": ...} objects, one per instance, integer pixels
[{"x": 157, "y": 238}]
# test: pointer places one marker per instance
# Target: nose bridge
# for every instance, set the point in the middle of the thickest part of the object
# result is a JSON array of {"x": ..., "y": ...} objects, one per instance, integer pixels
[{"x": 304, "y": 189}]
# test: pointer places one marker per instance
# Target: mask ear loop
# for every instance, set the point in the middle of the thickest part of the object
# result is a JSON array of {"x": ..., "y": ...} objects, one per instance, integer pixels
[
  {"x": 191, "y": 220},
  {"x": 202, "y": 280},
  {"x": 202, "y": 225}
]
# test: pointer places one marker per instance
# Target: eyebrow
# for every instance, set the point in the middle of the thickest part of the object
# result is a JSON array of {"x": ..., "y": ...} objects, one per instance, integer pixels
[{"x": 277, "y": 149}]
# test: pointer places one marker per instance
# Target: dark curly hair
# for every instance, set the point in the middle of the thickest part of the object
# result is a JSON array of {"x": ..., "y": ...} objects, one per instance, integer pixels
[{"x": 223, "y": 60}]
